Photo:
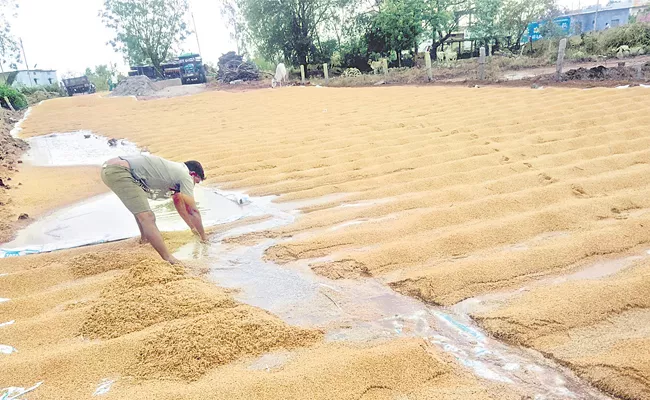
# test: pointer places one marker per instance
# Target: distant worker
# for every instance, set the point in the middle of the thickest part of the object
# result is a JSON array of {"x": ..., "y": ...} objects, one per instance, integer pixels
[
  {"x": 135, "y": 178},
  {"x": 280, "y": 75}
]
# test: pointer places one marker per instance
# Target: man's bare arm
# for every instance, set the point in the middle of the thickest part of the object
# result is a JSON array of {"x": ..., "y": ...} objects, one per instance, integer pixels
[
  {"x": 187, "y": 209},
  {"x": 181, "y": 209}
]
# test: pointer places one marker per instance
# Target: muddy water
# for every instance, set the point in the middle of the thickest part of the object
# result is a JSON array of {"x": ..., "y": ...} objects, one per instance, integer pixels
[{"x": 367, "y": 310}]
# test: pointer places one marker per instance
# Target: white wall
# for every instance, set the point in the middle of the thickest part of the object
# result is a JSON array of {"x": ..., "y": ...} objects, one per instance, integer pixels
[{"x": 42, "y": 78}]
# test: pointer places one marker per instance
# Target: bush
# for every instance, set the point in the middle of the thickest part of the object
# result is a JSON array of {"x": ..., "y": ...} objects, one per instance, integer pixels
[
  {"x": 17, "y": 99},
  {"x": 350, "y": 72},
  {"x": 632, "y": 35},
  {"x": 29, "y": 90}
]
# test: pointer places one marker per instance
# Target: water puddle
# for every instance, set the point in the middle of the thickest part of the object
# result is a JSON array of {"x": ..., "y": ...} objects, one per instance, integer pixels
[
  {"x": 75, "y": 148},
  {"x": 363, "y": 310},
  {"x": 104, "y": 219}
]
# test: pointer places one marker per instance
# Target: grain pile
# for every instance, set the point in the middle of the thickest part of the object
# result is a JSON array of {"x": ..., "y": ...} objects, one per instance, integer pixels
[
  {"x": 599, "y": 328},
  {"x": 448, "y": 193},
  {"x": 157, "y": 332}
]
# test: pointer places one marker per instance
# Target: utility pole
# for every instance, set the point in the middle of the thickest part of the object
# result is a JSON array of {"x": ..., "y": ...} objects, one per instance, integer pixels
[
  {"x": 596, "y": 16},
  {"x": 196, "y": 33},
  {"x": 26, "y": 63}
]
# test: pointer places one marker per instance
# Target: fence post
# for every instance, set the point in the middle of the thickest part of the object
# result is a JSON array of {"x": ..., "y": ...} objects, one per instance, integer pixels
[
  {"x": 560, "y": 58},
  {"x": 384, "y": 64},
  {"x": 481, "y": 63},
  {"x": 427, "y": 64},
  {"x": 302, "y": 73},
  {"x": 326, "y": 74}
]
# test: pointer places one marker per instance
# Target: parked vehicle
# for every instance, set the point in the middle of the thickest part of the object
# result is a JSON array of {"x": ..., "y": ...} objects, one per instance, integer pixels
[
  {"x": 191, "y": 68},
  {"x": 79, "y": 84}
]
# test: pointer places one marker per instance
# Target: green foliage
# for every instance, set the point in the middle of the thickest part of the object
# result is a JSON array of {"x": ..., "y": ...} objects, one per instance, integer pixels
[
  {"x": 399, "y": 24},
  {"x": 17, "y": 99},
  {"x": 233, "y": 16},
  {"x": 29, "y": 90},
  {"x": 486, "y": 13},
  {"x": 608, "y": 43},
  {"x": 146, "y": 31},
  {"x": 515, "y": 15},
  {"x": 324, "y": 51},
  {"x": 286, "y": 29},
  {"x": 631, "y": 35},
  {"x": 265, "y": 65},
  {"x": 101, "y": 75}
]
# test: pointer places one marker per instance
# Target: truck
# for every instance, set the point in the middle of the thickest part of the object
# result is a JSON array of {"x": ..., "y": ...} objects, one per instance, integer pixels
[
  {"x": 79, "y": 84},
  {"x": 191, "y": 68}
]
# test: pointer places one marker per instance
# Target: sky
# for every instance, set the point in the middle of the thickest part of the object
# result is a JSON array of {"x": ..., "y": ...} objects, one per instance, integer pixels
[{"x": 68, "y": 35}]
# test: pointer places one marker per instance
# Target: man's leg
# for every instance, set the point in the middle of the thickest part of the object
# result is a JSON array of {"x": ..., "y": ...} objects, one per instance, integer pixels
[
  {"x": 150, "y": 232},
  {"x": 143, "y": 239},
  {"x": 121, "y": 182}
]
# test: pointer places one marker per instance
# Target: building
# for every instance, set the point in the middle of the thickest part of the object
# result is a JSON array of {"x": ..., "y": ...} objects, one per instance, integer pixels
[
  {"x": 36, "y": 77},
  {"x": 594, "y": 18}
]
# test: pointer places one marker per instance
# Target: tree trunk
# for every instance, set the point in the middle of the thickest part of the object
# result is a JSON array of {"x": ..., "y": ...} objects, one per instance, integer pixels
[{"x": 399, "y": 58}]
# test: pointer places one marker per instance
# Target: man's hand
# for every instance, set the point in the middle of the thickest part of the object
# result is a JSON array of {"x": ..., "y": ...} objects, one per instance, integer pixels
[
  {"x": 173, "y": 261},
  {"x": 204, "y": 238}
]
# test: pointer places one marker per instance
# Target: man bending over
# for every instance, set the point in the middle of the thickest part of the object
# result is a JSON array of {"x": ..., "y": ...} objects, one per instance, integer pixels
[{"x": 135, "y": 178}]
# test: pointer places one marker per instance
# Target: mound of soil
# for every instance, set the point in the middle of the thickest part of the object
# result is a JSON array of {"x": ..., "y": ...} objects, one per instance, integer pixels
[
  {"x": 601, "y": 73},
  {"x": 10, "y": 150},
  {"x": 134, "y": 86}
]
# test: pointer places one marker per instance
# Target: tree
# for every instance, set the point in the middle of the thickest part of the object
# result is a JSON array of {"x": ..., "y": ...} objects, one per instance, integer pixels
[
  {"x": 442, "y": 19},
  {"x": 487, "y": 13},
  {"x": 285, "y": 28},
  {"x": 9, "y": 51},
  {"x": 234, "y": 20},
  {"x": 146, "y": 31},
  {"x": 399, "y": 24},
  {"x": 101, "y": 74},
  {"x": 517, "y": 14}
]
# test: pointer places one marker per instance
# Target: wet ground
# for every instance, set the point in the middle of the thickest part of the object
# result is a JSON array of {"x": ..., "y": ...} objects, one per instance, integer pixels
[
  {"x": 103, "y": 218},
  {"x": 358, "y": 310},
  {"x": 366, "y": 310}
]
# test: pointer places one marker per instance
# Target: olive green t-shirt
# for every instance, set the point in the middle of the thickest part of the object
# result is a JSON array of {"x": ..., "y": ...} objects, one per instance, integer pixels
[{"x": 159, "y": 177}]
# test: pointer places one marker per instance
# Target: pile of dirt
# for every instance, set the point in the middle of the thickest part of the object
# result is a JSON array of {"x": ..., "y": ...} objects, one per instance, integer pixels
[
  {"x": 134, "y": 86},
  {"x": 601, "y": 73},
  {"x": 10, "y": 151}
]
